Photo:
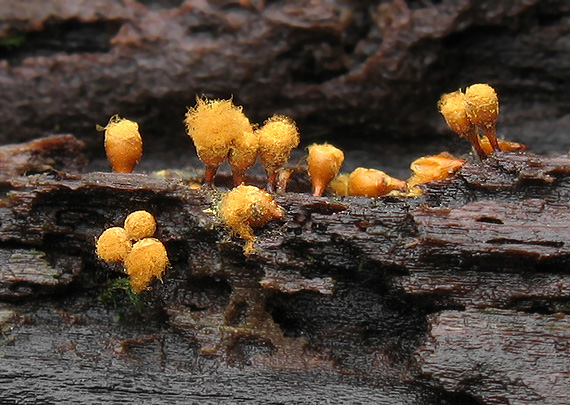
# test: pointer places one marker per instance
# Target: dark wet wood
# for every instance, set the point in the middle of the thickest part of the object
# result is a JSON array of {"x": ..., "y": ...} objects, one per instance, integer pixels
[
  {"x": 500, "y": 356},
  {"x": 350, "y": 299}
]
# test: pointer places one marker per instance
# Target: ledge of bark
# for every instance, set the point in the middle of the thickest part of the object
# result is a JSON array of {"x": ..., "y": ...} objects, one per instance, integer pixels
[{"x": 376, "y": 294}]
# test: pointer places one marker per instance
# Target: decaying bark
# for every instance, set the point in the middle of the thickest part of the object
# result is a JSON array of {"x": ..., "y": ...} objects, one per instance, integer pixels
[{"x": 459, "y": 295}]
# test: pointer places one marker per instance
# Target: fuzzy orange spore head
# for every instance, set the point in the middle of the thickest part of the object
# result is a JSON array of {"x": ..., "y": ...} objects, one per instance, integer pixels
[
  {"x": 324, "y": 162},
  {"x": 147, "y": 260},
  {"x": 243, "y": 153},
  {"x": 372, "y": 183},
  {"x": 123, "y": 144},
  {"x": 213, "y": 125},
  {"x": 435, "y": 167},
  {"x": 140, "y": 224},
  {"x": 453, "y": 108},
  {"x": 247, "y": 207},
  {"x": 482, "y": 105},
  {"x": 506, "y": 146},
  {"x": 277, "y": 138},
  {"x": 113, "y": 245}
]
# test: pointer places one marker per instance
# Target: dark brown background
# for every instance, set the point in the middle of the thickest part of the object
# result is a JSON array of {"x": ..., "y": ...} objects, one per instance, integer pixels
[{"x": 344, "y": 70}]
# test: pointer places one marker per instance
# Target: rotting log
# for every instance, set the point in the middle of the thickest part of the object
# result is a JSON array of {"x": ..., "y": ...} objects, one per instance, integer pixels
[{"x": 345, "y": 300}]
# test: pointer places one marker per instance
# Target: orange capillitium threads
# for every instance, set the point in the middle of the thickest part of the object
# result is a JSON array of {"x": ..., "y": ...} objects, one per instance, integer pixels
[
  {"x": 372, "y": 183},
  {"x": 123, "y": 144},
  {"x": 248, "y": 207},
  {"x": 113, "y": 245},
  {"x": 453, "y": 107},
  {"x": 140, "y": 224},
  {"x": 147, "y": 260},
  {"x": 436, "y": 167},
  {"x": 213, "y": 125},
  {"x": 324, "y": 162},
  {"x": 277, "y": 138},
  {"x": 482, "y": 108}
]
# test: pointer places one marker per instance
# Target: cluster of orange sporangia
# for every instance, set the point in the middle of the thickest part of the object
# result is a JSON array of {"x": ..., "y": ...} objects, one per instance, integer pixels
[
  {"x": 222, "y": 132},
  {"x": 144, "y": 257},
  {"x": 476, "y": 109}
]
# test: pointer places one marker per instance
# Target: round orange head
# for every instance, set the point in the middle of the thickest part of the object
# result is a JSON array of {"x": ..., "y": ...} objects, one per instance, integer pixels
[
  {"x": 277, "y": 138},
  {"x": 243, "y": 153},
  {"x": 482, "y": 105},
  {"x": 147, "y": 260},
  {"x": 113, "y": 245},
  {"x": 140, "y": 224},
  {"x": 247, "y": 207},
  {"x": 213, "y": 125},
  {"x": 453, "y": 108},
  {"x": 123, "y": 144},
  {"x": 324, "y": 162}
]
